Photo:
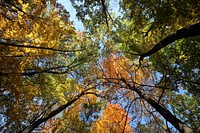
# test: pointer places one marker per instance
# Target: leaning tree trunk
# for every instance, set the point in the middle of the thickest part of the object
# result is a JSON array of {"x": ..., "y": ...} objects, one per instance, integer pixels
[
  {"x": 178, "y": 124},
  {"x": 35, "y": 124}
]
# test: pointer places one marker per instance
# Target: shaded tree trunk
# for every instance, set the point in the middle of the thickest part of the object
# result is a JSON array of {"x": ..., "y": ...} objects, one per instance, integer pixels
[{"x": 178, "y": 124}]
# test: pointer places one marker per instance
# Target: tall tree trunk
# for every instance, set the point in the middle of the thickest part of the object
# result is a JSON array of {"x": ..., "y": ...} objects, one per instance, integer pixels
[{"x": 178, "y": 124}]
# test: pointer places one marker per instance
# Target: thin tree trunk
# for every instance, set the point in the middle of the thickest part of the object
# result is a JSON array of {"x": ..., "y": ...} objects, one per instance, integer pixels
[{"x": 35, "y": 124}]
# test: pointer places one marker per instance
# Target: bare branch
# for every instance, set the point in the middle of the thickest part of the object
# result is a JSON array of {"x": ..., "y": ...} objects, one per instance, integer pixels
[
  {"x": 163, "y": 91},
  {"x": 129, "y": 107}
]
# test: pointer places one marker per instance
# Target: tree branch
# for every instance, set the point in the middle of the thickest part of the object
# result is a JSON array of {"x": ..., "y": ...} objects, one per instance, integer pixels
[
  {"x": 160, "y": 97},
  {"x": 19, "y": 9},
  {"x": 190, "y": 31},
  {"x": 36, "y": 47},
  {"x": 129, "y": 107},
  {"x": 105, "y": 12}
]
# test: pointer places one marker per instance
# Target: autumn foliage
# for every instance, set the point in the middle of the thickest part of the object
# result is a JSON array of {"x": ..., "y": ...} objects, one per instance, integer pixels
[
  {"x": 113, "y": 120},
  {"x": 127, "y": 70}
]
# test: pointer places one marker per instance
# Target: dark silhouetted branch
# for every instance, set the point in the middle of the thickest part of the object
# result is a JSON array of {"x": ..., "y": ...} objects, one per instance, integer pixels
[
  {"x": 190, "y": 31},
  {"x": 36, "y": 47},
  {"x": 39, "y": 121}
]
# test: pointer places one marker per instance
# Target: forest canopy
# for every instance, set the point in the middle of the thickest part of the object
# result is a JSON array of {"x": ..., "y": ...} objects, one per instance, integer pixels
[{"x": 134, "y": 68}]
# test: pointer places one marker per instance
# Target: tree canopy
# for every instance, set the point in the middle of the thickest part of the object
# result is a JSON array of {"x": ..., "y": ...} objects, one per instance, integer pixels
[{"x": 134, "y": 68}]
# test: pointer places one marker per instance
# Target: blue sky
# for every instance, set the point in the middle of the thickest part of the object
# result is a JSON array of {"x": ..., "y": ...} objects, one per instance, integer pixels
[{"x": 77, "y": 24}]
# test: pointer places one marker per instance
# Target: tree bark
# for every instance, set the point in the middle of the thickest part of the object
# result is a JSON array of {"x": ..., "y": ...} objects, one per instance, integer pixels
[
  {"x": 190, "y": 31},
  {"x": 35, "y": 124},
  {"x": 178, "y": 124}
]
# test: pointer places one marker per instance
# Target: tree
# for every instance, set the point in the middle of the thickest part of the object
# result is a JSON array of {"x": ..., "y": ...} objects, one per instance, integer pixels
[
  {"x": 135, "y": 82},
  {"x": 113, "y": 119},
  {"x": 141, "y": 61}
]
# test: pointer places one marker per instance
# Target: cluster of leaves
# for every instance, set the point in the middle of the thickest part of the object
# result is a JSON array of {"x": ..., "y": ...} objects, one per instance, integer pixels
[{"x": 114, "y": 119}]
